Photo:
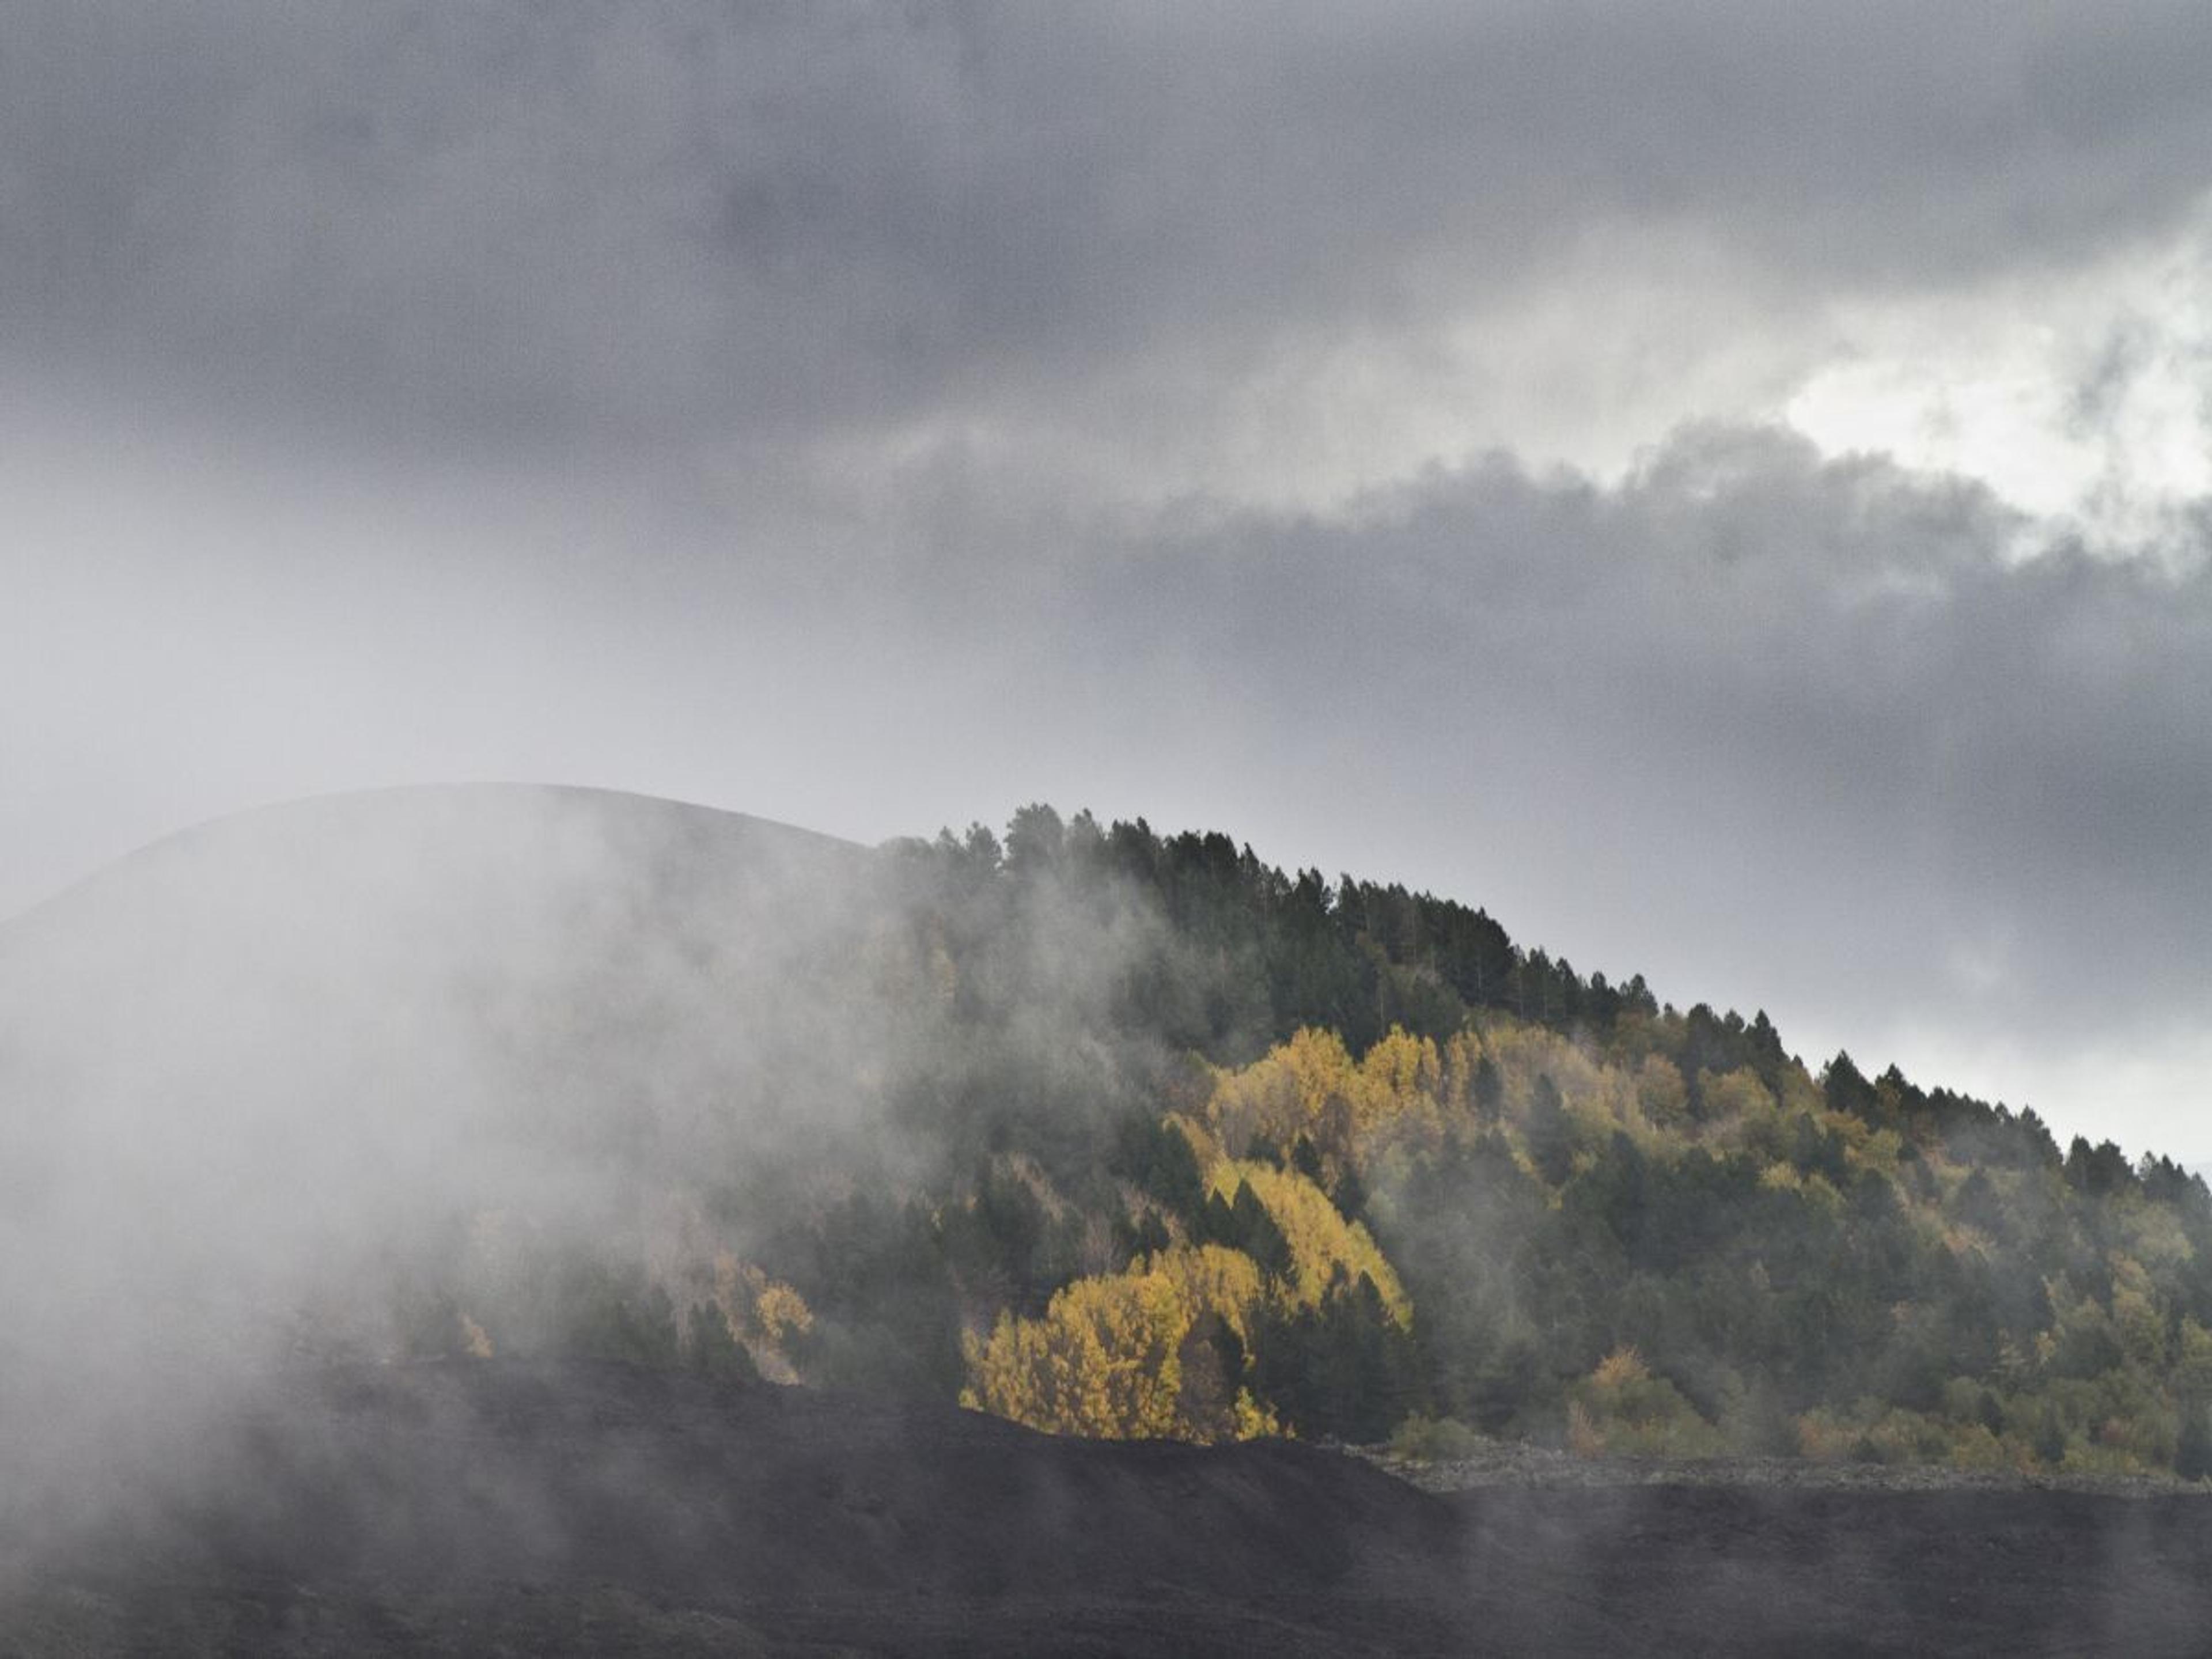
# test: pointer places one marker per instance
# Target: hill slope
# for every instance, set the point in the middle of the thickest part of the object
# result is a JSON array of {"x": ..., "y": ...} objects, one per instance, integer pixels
[
  {"x": 599, "y": 1509},
  {"x": 580, "y": 1509},
  {"x": 1111, "y": 1133}
]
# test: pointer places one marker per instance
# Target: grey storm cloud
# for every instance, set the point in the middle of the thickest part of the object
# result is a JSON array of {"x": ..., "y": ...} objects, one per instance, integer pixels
[
  {"x": 610, "y": 219},
  {"x": 1808, "y": 727}
]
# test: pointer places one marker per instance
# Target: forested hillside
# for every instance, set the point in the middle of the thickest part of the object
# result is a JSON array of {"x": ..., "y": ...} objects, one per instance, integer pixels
[
  {"x": 1108, "y": 1132},
  {"x": 1182, "y": 1145}
]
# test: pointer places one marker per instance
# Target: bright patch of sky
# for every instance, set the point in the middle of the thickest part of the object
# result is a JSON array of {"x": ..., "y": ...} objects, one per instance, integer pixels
[{"x": 2086, "y": 401}]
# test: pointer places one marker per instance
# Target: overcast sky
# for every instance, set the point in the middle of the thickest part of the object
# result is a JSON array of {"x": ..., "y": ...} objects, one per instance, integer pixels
[{"x": 1726, "y": 487}]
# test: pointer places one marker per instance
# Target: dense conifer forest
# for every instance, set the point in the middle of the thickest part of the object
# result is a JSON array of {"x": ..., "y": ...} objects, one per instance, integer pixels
[{"x": 1338, "y": 1160}]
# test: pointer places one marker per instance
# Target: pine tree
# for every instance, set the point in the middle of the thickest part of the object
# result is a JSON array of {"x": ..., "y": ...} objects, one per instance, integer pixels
[
  {"x": 2192, "y": 1457},
  {"x": 1489, "y": 1091},
  {"x": 1551, "y": 1137}
]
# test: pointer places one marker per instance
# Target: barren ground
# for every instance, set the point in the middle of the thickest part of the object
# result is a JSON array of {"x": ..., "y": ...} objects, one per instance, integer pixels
[{"x": 585, "y": 1509}]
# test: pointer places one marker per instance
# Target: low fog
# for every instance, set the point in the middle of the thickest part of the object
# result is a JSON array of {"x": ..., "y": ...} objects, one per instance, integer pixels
[{"x": 267, "y": 1080}]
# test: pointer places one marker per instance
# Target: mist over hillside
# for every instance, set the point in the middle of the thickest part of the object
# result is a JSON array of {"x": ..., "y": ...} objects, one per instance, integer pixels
[
  {"x": 1117, "y": 1135},
  {"x": 257, "y": 1074},
  {"x": 1106, "y": 1132}
]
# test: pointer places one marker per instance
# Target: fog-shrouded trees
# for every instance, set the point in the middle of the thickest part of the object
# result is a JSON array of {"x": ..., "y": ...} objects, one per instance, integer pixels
[{"x": 1173, "y": 1143}]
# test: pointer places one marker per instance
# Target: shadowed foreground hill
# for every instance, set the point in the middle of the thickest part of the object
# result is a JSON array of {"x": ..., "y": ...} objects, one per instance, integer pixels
[
  {"x": 588, "y": 1508},
  {"x": 597, "y": 1509}
]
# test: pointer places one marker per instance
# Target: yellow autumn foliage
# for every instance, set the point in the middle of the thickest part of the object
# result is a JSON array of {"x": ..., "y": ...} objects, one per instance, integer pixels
[
  {"x": 1303, "y": 1086},
  {"x": 1205, "y": 1145},
  {"x": 1311, "y": 1086},
  {"x": 764, "y": 1315},
  {"x": 1623, "y": 1368},
  {"x": 1623, "y": 1407},
  {"x": 1127, "y": 1356},
  {"x": 1320, "y": 1240}
]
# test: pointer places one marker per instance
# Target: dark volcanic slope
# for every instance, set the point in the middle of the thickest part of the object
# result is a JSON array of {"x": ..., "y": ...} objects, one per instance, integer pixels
[
  {"x": 585, "y": 1509},
  {"x": 1746, "y": 1570},
  {"x": 598, "y": 1508}
]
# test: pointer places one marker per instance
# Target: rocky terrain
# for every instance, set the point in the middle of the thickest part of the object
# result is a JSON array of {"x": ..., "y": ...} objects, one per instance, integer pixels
[
  {"x": 1509, "y": 1463},
  {"x": 579, "y": 1508}
]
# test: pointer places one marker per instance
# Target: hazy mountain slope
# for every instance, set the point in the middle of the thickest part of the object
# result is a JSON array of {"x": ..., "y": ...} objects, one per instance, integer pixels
[
  {"x": 1116, "y": 1134},
  {"x": 255, "y": 1074},
  {"x": 511, "y": 1070}
]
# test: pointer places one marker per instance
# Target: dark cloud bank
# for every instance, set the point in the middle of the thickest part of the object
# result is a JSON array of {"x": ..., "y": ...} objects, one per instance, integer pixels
[
  {"x": 1751, "y": 708},
  {"x": 638, "y": 218}
]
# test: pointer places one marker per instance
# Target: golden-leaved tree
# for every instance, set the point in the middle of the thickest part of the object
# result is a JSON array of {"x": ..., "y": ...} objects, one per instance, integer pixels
[
  {"x": 1155, "y": 1352},
  {"x": 1324, "y": 1248},
  {"x": 1312, "y": 1087}
]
